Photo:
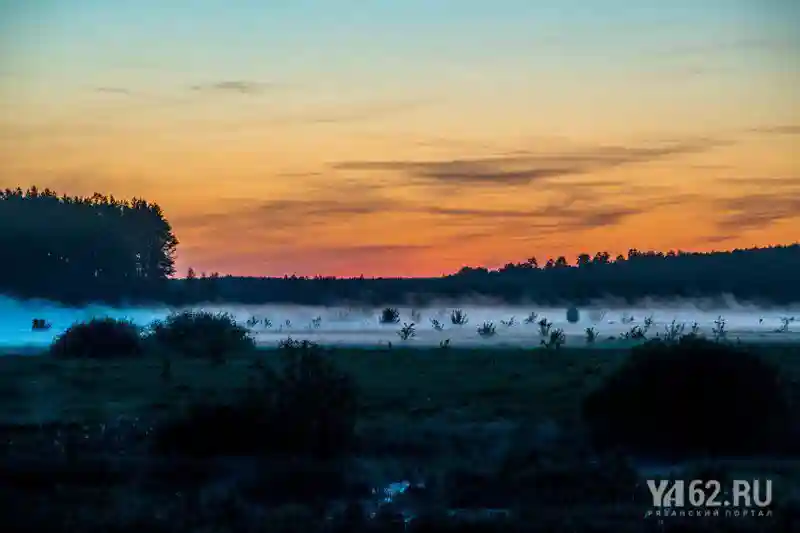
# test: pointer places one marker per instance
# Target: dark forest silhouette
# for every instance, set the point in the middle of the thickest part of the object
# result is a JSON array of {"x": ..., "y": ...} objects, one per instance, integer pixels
[{"x": 80, "y": 249}]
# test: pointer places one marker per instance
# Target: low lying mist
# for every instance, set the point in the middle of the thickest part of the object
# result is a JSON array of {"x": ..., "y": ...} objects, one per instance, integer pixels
[{"x": 356, "y": 325}]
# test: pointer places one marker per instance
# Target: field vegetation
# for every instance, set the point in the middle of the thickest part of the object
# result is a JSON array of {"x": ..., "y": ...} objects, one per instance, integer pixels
[{"x": 154, "y": 433}]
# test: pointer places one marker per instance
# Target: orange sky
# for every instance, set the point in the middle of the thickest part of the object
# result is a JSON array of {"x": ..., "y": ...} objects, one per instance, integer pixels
[{"x": 357, "y": 151}]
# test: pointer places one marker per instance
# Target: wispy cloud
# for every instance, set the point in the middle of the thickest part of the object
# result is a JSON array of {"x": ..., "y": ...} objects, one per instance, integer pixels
[
  {"x": 785, "y": 129},
  {"x": 521, "y": 168},
  {"x": 355, "y": 206},
  {"x": 114, "y": 90},
  {"x": 772, "y": 182},
  {"x": 757, "y": 211},
  {"x": 236, "y": 86}
]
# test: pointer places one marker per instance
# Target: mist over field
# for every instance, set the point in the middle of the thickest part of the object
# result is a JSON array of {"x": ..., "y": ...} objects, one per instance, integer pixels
[{"x": 361, "y": 326}]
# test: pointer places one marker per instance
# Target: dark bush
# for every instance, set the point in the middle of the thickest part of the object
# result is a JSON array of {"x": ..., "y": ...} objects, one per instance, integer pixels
[
  {"x": 201, "y": 334},
  {"x": 304, "y": 408},
  {"x": 573, "y": 315},
  {"x": 390, "y": 315},
  {"x": 99, "y": 338},
  {"x": 694, "y": 397}
]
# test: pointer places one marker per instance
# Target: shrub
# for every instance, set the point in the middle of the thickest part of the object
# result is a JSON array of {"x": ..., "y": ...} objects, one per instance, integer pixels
[
  {"x": 718, "y": 331},
  {"x": 40, "y": 324},
  {"x": 573, "y": 315},
  {"x": 458, "y": 317},
  {"x": 531, "y": 318},
  {"x": 636, "y": 333},
  {"x": 591, "y": 335},
  {"x": 201, "y": 334},
  {"x": 390, "y": 315},
  {"x": 673, "y": 331},
  {"x": 557, "y": 338},
  {"x": 486, "y": 330},
  {"x": 99, "y": 338},
  {"x": 438, "y": 326},
  {"x": 544, "y": 327},
  {"x": 306, "y": 407},
  {"x": 407, "y": 331},
  {"x": 688, "y": 398}
]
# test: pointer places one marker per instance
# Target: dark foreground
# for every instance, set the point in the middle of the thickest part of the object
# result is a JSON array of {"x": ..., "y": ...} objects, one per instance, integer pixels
[{"x": 486, "y": 441}]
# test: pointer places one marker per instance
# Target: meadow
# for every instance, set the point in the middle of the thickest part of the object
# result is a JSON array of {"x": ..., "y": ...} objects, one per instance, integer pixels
[{"x": 396, "y": 436}]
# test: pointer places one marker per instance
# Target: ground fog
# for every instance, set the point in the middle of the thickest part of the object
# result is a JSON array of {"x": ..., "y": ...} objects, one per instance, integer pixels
[{"x": 362, "y": 326}]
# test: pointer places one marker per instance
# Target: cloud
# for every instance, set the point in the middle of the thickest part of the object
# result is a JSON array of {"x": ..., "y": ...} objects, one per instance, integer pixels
[
  {"x": 786, "y": 129},
  {"x": 774, "y": 182},
  {"x": 343, "y": 208},
  {"x": 236, "y": 86},
  {"x": 757, "y": 211},
  {"x": 114, "y": 90},
  {"x": 522, "y": 169}
]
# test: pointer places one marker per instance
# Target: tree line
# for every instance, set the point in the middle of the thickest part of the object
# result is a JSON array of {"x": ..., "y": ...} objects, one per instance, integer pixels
[
  {"x": 98, "y": 248},
  {"x": 74, "y": 249}
]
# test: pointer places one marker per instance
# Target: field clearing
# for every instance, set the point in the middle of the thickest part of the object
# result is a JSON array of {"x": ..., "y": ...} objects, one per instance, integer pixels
[{"x": 470, "y": 384}]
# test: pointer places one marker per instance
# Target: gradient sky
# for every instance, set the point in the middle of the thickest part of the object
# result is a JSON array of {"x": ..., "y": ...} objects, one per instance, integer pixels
[{"x": 411, "y": 137}]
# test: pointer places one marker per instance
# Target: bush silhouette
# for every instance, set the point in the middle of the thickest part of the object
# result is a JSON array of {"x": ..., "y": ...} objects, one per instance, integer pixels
[
  {"x": 693, "y": 397},
  {"x": 573, "y": 315},
  {"x": 390, "y": 315},
  {"x": 304, "y": 408},
  {"x": 99, "y": 338},
  {"x": 201, "y": 334}
]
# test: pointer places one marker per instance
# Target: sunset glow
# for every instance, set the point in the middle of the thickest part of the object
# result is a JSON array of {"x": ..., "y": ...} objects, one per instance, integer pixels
[{"x": 409, "y": 138}]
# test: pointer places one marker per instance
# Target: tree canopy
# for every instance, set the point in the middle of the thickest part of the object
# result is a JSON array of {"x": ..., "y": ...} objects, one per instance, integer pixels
[{"x": 80, "y": 248}]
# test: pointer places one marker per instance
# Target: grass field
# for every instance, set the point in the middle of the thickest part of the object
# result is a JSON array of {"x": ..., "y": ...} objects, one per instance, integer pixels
[
  {"x": 482, "y": 428},
  {"x": 476, "y": 384}
]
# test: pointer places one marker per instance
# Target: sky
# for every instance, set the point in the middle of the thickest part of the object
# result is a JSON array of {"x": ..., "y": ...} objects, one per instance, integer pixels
[{"x": 412, "y": 137}]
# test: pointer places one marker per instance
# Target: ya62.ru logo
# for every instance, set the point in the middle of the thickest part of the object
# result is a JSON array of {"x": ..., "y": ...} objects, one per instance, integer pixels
[{"x": 698, "y": 497}]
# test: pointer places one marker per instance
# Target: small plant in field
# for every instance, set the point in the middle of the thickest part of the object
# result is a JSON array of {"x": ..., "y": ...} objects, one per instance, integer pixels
[
  {"x": 673, "y": 331},
  {"x": 289, "y": 344},
  {"x": 694, "y": 329},
  {"x": 784, "y": 328},
  {"x": 287, "y": 323},
  {"x": 99, "y": 338},
  {"x": 648, "y": 323},
  {"x": 316, "y": 322},
  {"x": 416, "y": 316},
  {"x": 438, "y": 326},
  {"x": 407, "y": 331},
  {"x": 627, "y": 319},
  {"x": 719, "y": 331},
  {"x": 635, "y": 333},
  {"x": 511, "y": 322},
  {"x": 390, "y": 315},
  {"x": 445, "y": 344},
  {"x": 267, "y": 323},
  {"x": 253, "y": 322},
  {"x": 486, "y": 330},
  {"x": 40, "y": 324},
  {"x": 458, "y": 317},
  {"x": 556, "y": 339},
  {"x": 591, "y": 335},
  {"x": 531, "y": 318},
  {"x": 544, "y": 327}
]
